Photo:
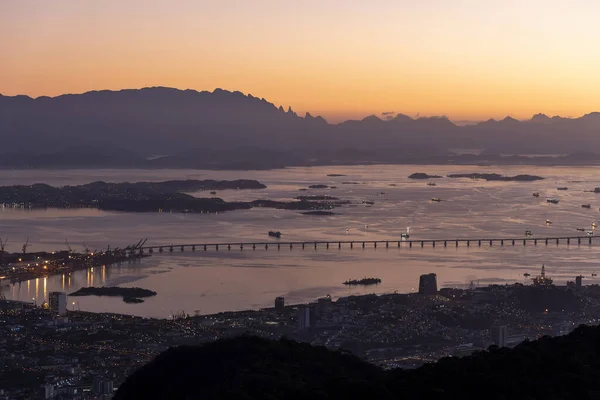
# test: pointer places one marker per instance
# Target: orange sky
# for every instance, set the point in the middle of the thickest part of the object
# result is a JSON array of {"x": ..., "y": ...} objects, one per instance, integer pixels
[{"x": 468, "y": 59}]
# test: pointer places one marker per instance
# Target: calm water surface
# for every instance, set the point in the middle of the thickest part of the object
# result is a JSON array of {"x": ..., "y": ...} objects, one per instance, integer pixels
[{"x": 218, "y": 281}]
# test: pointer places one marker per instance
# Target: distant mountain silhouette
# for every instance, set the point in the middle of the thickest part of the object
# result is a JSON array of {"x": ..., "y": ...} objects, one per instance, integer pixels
[{"x": 187, "y": 123}]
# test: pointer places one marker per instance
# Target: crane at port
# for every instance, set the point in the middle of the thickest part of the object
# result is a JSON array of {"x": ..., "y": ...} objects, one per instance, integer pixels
[
  {"x": 69, "y": 246},
  {"x": 25, "y": 246},
  {"x": 87, "y": 250}
]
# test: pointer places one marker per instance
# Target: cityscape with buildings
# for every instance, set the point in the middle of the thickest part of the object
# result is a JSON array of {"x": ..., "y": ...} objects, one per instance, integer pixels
[{"x": 50, "y": 352}]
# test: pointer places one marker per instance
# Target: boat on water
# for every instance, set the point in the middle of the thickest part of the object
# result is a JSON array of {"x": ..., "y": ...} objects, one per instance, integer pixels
[
  {"x": 528, "y": 232},
  {"x": 548, "y": 222},
  {"x": 552, "y": 201},
  {"x": 431, "y": 184},
  {"x": 581, "y": 229},
  {"x": 562, "y": 188},
  {"x": 405, "y": 235},
  {"x": 436, "y": 199},
  {"x": 586, "y": 206},
  {"x": 213, "y": 192},
  {"x": 594, "y": 274},
  {"x": 526, "y": 274},
  {"x": 368, "y": 202},
  {"x": 536, "y": 194},
  {"x": 594, "y": 225},
  {"x": 276, "y": 234},
  {"x": 590, "y": 233}
]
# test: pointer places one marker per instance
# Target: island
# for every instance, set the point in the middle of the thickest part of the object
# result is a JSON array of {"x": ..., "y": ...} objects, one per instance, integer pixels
[
  {"x": 363, "y": 281},
  {"x": 498, "y": 177},
  {"x": 422, "y": 175},
  {"x": 319, "y": 212},
  {"x": 129, "y": 295},
  {"x": 350, "y": 183},
  {"x": 145, "y": 197},
  {"x": 336, "y": 175},
  {"x": 319, "y": 186},
  {"x": 316, "y": 198}
]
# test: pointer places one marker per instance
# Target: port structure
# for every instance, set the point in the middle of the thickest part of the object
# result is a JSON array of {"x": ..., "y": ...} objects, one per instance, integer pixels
[{"x": 363, "y": 244}]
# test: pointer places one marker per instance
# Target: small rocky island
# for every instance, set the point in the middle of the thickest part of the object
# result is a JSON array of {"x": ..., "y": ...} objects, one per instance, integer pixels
[
  {"x": 422, "y": 175},
  {"x": 336, "y": 175},
  {"x": 316, "y": 198},
  {"x": 498, "y": 177},
  {"x": 129, "y": 295},
  {"x": 319, "y": 212},
  {"x": 363, "y": 282},
  {"x": 319, "y": 186}
]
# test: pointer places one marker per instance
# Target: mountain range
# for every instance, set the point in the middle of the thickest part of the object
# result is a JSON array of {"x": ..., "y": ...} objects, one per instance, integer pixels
[{"x": 244, "y": 129}]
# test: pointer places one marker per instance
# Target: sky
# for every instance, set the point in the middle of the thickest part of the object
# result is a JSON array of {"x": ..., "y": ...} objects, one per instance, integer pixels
[{"x": 466, "y": 59}]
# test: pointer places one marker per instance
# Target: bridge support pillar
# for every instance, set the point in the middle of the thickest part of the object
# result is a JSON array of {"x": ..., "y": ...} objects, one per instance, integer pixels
[
  {"x": 524, "y": 242},
  {"x": 253, "y": 246},
  {"x": 374, "y": 245},
  {"x": 363, "y": 245},
  {"x": 398, "y": 244},
  {"x": 327, "y": 245},
  {"x": 241, "y": 247},
  {"x": 568, "y": 240},
  {"x": 315, "y": 245},
  {"x": 278, "y": 246},
  {"x": 351, "y": 245},
  {"x": 479, "y": 243},
  {"x": 501, "y": 242},
  {"x": 513, "y": 242},
  {"x": 228, "y": 247},
  {"x": 422, "y": 243},
  {"x": 457, "y": 243},
  {"x": 302, "y": 246},
  {"x": 160, "y": 250},
  {"x": 266, "y": 246},
  {"x": 409, "y": 244},
  {"x": 151, "y": 250},
  {"x": 204, "y": 247},
  {"x": 590, "y": 240},
  {"x": 387, "y": 244},
  {"x": 491, "y": 241},
  {"x": 445, "y": 243},
  {"x": 557, "y": 241},
  {"x": 291, "y": 246},
  {"x": 171, "y": 249},
  {"x": 546, "y": 241},
  {"x": 535, "y": 242},
  {"x": 339, "y": 245},
  {"x": 468, "y": 243},
  {"x": 433, "y": 243},
  {"x": 217, "y": 247},
  {"x": 193, "y": 248},
  {"x": 578, "y": 240},
  {"x": 182, "y": 248}
]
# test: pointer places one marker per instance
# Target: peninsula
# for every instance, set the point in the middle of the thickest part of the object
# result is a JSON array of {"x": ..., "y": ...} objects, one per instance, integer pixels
[
  {"x": 169, "y": 196},
  {"x": 363, "y": 281},
  {"x": 498, "y": 177}
]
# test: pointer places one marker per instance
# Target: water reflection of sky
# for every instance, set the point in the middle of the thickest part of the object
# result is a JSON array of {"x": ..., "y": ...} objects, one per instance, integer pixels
[{"x": 212, "y": 282}]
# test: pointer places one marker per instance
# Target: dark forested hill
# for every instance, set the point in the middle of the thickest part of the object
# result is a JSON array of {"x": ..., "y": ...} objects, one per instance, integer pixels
[{"x": 565, "y": 367}]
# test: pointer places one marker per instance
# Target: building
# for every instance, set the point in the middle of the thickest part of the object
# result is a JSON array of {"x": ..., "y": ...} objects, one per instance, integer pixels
[
  {"x": 428, "y": 284},
  {"x": 303, "y": 318},
  {"x": 578, "y": 282},
  {"x": 279, "y": 303},
  {"x": 500, "y": 335},
  {"x": 58, "y": 302},
  {"x": 48, "y": 392},
  {"x": 542, "y": 279},
  {"x": 102, "y": 387},
  {"x": 324, "y": 303}
]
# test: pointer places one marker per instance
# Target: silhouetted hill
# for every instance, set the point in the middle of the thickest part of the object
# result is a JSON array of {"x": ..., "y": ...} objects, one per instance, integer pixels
[
  {"x": 566, "y": 367},
  {"x": 187, "y": 123}
]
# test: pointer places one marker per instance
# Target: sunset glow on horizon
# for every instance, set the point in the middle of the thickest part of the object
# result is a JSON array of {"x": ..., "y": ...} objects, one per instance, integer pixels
[{"x": 467, "y": 59}]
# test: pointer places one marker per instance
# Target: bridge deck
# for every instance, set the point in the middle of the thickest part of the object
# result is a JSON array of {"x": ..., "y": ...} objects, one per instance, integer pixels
[{"x": 373, "y": 243}]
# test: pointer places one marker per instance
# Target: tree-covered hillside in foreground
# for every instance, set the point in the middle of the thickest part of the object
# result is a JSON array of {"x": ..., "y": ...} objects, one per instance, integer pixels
[{"x": 566, "y": 367}]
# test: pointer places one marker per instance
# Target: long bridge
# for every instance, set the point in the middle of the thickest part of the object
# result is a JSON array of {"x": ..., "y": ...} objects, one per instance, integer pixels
[{"x": 351, "y": 244}]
